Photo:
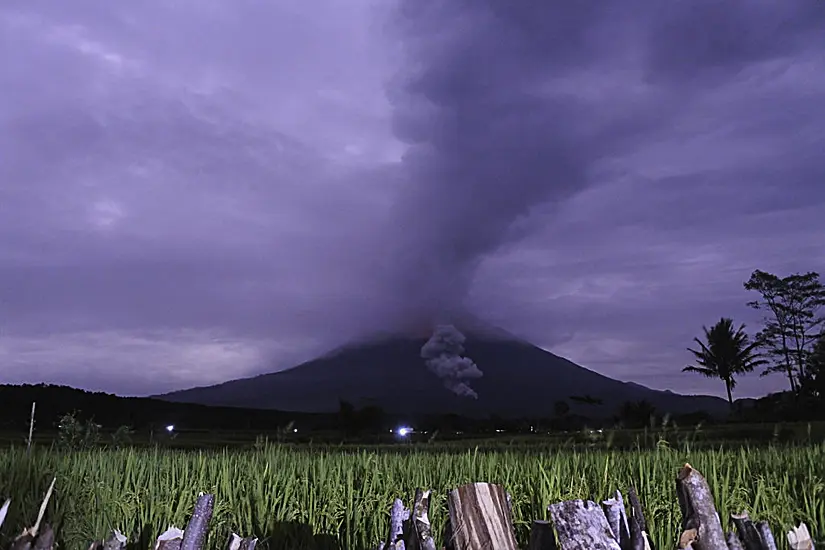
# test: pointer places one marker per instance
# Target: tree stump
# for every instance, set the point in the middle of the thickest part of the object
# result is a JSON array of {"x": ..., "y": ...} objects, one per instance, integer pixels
[
  {"x": 480, "y": 518},
  {"x": 398, "y": 515},
  {"x": 170, "y": 539},
  {"x": 701, "y": 526},
  {"x": 194, "y": 536},
  {"x": 582, "y": 524},
  {"x": 420, "y": 535}
]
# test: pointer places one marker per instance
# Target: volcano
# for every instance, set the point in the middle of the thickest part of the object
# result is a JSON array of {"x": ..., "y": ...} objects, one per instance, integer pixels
[{"x": 519, "y": 380}]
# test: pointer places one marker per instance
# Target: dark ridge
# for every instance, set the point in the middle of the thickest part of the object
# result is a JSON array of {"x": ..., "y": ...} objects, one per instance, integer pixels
[{"x": 387, "y": 371}]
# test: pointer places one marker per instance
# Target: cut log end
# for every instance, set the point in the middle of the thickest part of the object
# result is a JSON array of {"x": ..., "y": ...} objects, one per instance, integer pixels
[
  {"x": 195, "y": 534},
  {"x": 398, "y": 515},
  {"x": 480, "y": 517},
  {"x": 698, "y": 509},
  {"x": 800, "y": 539},
  {"x": 419, "y": 536},
  {"x": 170, "y": 539},
  {"x": 582, "y": 524}
]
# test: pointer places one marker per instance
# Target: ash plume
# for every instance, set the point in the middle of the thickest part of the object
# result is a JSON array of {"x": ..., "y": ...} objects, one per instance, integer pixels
[
  {"x": 442, "y": 353},
  {"x": 484, "y": 145},
  {"x": 508, "y": 106}
]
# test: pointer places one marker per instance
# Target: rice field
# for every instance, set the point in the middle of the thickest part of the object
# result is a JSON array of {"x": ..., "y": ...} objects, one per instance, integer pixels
[{"x": 300, "y": 498}]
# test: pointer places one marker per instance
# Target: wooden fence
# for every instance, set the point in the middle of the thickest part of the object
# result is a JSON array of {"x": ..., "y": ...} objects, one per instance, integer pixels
[{"x": 480, "y": 518}]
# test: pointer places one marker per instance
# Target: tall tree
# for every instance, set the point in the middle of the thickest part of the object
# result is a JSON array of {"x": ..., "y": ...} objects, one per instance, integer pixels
[
  {"x": 814, "y": 383},
  {"x": 794, "y": 321},
  {"x": 725, "y": 354}
]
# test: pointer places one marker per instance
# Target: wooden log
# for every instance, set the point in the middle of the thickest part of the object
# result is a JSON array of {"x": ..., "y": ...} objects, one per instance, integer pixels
[
  {"x": 23, "y": 541},
  {"x": 480, "y": 519},
  {"x": 616, "y": 515},
  {"x": 582, "y": 524},
  {"x": 419, "y": 534},
  {"x": 194, "y": 536},
  {"x": 31, "y": 431},
  {"x": 636, "y": 508},
  {"x": 748, "y": 534},
  {"x": 800, "y": 539},
  {"x": 767, "y": 536},
  {"x": 733, "y": 541},
  {"x": 170, "y": 539},
  {"x": 32, "y": 538},
  {"x": 42, "y": 511},
  {"x": 701, "y": 526},
  {"x": 4, "y": 510},
  {"x": 398, "y": 515},
  {"x": 613, "y": 513},
  {"x": 447, "y": 535},
  {"x": 115, "y": 541},
  {"x": 236, "y": 542},
  {"x": 542, "y": 536},
  {"x": 638, "y": 537},
  {"x": 639, "y": 534},
  {"x": 44, "y": 540}
]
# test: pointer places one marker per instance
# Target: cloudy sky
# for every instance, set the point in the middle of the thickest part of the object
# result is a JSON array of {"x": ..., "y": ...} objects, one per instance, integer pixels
[{"x": 196, "y": 191}]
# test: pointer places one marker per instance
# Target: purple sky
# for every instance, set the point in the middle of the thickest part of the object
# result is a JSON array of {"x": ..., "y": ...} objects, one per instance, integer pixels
[{"x": 196, "y": 191}]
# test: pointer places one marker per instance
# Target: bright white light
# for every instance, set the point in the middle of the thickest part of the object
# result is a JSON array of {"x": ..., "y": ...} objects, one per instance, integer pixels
[
  {"x": 170, "y": 427},
  {"x": 403, "y": 431},
  {"x": 295, "y": 430}
]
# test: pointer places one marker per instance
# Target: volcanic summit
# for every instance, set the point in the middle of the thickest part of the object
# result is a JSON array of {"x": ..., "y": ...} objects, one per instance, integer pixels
[{"x": 495, "y": 373}]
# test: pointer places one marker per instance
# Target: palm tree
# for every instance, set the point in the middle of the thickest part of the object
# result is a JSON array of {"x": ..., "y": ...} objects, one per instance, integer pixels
[{"x": 726, "y": 354}]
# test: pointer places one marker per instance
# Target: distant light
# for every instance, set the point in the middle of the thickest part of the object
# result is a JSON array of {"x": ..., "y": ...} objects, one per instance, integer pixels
[
  {"x": 404, "y": 431},
  {"x": 295, "y": 430},
  {"x": 170, "y": 427}
]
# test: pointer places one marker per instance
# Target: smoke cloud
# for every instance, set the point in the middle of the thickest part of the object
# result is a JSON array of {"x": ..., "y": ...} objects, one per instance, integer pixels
[
  {"x": 442, "y": 353},
  {"x": 510, "y": 107},
  {"x": 489, "y": 137}
]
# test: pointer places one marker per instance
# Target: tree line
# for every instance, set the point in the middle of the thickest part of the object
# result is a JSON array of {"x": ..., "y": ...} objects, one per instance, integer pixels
[{"x": 791, "y": 340}]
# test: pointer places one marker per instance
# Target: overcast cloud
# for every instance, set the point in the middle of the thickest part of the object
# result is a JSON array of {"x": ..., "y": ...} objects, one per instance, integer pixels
[{"x": 191, "y": 192}]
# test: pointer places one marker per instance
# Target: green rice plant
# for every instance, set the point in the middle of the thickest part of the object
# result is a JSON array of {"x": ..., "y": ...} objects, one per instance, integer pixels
[{"x": 339, "y": 497}]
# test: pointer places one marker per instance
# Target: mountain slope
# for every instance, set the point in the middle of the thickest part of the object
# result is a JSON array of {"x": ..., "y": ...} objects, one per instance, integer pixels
[{"x": 519, "y": 380}]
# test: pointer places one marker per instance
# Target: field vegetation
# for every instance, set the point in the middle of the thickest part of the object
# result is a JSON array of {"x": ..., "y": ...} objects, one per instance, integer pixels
[{"x": 323, "y": 496}]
